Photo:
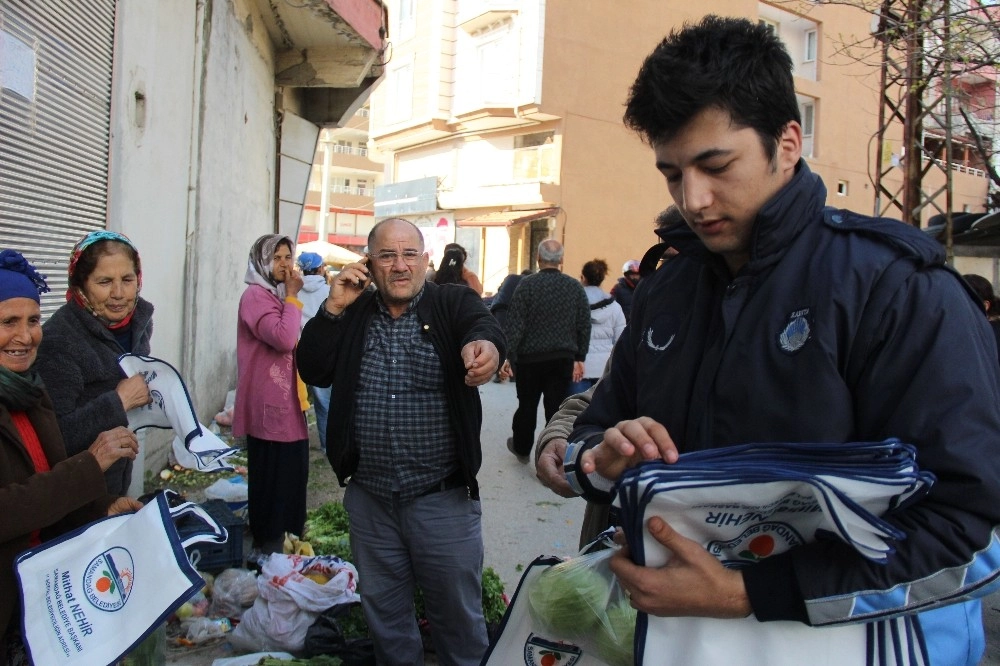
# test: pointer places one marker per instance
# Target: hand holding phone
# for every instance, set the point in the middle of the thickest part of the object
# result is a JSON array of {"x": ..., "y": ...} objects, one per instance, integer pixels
[{"x": 347, "y": 285}]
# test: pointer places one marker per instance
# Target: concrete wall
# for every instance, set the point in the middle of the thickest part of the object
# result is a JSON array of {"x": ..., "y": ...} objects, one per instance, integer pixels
[{"x": 192, "y": 177}]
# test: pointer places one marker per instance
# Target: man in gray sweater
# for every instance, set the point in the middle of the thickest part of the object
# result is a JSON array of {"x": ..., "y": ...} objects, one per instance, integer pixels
[{"x": 548, "y": 333}]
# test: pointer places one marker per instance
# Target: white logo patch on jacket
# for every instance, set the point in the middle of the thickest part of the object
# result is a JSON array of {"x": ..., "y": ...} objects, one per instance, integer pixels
[
  {"x": 655, "y": 347},
  {"x": 796, "y": 332}
]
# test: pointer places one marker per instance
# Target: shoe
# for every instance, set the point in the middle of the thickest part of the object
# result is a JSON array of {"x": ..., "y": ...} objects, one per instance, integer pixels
[{"x": 510, "y": 447}]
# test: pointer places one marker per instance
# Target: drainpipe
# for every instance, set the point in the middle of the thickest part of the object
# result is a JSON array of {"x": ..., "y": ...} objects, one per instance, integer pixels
[{"x": 324, "y": 191}]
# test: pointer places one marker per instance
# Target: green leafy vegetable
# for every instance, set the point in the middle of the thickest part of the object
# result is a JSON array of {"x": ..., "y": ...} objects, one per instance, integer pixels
[
  {"x": 615, "y": 634},
  {"x": 568, "y": 598}
]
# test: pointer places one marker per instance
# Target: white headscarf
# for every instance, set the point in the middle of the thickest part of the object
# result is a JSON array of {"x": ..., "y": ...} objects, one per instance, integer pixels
[{"x": 260, "y": 262}]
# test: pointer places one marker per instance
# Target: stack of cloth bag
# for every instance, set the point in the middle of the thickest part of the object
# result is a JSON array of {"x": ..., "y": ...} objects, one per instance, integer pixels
[{"x": 744, "y": 503}]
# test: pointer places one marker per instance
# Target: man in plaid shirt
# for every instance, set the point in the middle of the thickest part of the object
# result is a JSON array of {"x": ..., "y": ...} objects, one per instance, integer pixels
[{"x": 404, "y": 360}]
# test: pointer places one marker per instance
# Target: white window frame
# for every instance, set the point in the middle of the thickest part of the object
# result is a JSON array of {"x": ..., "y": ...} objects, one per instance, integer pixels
[
  {"x": 406, "y": 20},
  {"x": 809, "y": 119},
  {"x": 811, "y": 46},
  {"x": 771, "y": 23},
  {"x": 399, "y": 92},
  {"x": 495, "y": 51}
]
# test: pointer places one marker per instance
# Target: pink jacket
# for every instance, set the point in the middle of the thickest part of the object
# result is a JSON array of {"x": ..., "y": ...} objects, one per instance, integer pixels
[{"x": 267, "y": 401}]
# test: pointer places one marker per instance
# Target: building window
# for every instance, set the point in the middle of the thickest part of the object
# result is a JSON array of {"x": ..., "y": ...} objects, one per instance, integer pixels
[
  {"x": 343, "y": 147},
  {"x": 406, "y": 20},
  {"x": 808, "y": 119},
  {"x": 535, "y": 157},
  {"x": 770, "y": 23},
  {"x": 497, "y": 62},
  {"x": 842, "y": 188},
  {"x": 399, "y": 93},
  {"x": 811, "y": 41}
]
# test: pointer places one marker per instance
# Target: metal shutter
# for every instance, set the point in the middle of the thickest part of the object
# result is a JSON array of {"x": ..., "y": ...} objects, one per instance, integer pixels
[{"x": 55, "y": 105}]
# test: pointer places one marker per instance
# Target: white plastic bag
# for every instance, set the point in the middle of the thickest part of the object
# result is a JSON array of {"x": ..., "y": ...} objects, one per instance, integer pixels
[
  {"x": 232, "y": 490},
  {"x": 289, "y": 600}
]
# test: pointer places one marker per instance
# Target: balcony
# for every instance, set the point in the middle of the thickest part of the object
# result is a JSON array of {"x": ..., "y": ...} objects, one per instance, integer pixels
[
  {"x": 474, "y": 15},
  {"x": 328, "y": 52}
]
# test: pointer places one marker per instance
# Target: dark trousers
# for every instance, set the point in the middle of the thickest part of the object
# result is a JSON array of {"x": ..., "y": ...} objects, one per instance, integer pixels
[
  {"x": 550, "y": 379},
  {"x": 277, "y": 475}
]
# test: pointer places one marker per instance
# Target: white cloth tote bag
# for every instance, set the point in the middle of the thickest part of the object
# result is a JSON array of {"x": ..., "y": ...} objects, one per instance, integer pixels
[{"x": 93, "y": 594}]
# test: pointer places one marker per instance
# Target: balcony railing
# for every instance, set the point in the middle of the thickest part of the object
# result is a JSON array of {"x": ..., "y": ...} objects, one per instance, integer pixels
[
  {"x": 961, "y": 168},
  {"x": 350, "y": 150},
  {"x": 358, "y": 191}
]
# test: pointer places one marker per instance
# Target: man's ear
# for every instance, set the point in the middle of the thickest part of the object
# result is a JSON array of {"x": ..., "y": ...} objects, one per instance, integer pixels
[{"x": 789, "y": 148}]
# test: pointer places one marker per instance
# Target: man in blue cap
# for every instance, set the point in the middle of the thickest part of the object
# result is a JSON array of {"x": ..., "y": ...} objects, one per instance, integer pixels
[{"x": 313, "y": 294}]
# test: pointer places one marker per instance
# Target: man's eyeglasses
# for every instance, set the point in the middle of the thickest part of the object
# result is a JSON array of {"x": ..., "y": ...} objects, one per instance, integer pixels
[{"x": 387, "y": 259}]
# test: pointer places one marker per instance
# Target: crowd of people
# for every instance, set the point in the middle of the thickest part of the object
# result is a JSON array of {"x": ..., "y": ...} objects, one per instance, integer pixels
[{"x": 762, "y": 316}]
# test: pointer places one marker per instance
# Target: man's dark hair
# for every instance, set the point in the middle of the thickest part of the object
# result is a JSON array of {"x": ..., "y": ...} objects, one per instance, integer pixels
[
  {"x": 731, "y": 64},
  {"x": 669, "y": 217}
]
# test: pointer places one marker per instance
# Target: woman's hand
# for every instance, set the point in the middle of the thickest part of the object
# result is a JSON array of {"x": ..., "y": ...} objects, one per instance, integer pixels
[
  {"x": 124, "y": 505},
  {"x": 293, "y": 283},
  {"x": 133, "y": 392},
  {"x": 113, "y": 445}
]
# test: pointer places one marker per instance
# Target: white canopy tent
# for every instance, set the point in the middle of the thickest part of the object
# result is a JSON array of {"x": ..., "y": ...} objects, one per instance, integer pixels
[{"x": 333, "y": 255}]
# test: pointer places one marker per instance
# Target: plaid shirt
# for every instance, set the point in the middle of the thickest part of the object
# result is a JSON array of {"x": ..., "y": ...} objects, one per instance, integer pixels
[{"x": 401, "y": 427}]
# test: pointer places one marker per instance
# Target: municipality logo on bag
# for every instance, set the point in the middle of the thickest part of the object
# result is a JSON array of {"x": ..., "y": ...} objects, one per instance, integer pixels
[
  {"x": 107, "y": 580},
  {"x": 541, "y": 652}
]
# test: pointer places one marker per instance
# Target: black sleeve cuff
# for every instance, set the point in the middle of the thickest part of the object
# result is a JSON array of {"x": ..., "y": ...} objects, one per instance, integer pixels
[
  {"x": 774, "y": 591},
  {"x": 593, "y": 487}
]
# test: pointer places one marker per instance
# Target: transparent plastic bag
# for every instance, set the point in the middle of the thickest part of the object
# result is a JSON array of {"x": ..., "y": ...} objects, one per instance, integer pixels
[
  {"x": 233, "y": 592},
  {"x": 580, "y": 600}
]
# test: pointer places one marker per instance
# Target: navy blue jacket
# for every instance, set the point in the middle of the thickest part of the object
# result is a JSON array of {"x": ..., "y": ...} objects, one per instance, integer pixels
[
  {"x": 840, "y": 328},
  {"x": 329, "y": 353}
]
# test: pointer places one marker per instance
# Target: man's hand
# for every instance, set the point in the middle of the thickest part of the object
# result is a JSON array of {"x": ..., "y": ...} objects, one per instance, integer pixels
[
  {"x": 691, "y": 584},
  {"x": 549, "y": 467},
  {"x": 481, "y": 360},
  {"x": 346, "y": 286},
  {"x": 506, "y": 371},
  {"x": 626, "y": 445},
  {"x": 577, "y": 371},
  {"x": 124, "y": 505}
]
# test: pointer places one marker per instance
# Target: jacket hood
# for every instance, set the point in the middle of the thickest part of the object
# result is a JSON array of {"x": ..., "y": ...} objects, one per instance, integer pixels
[
  {"x": 781, "y": 220},
  {"x": 313, "y": 283}
]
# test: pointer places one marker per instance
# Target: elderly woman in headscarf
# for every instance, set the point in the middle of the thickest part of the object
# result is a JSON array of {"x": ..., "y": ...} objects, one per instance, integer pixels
[
  {"x": 103, "y": 318},
  {"x": 43, "y": 493},
  {"x": 268, "y": 408}
]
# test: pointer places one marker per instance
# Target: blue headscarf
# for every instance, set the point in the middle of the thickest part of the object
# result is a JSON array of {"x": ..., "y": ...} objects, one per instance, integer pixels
[{"x": 18, "y": 278}]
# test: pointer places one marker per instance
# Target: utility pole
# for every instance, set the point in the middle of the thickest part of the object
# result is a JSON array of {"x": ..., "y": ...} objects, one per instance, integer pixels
[{"x": 916, "y": 107}]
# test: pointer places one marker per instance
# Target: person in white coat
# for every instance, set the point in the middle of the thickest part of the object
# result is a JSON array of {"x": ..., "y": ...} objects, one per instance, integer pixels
[
  {"x": 607, "y": 321},
  {"x": 313, "y": 294}
]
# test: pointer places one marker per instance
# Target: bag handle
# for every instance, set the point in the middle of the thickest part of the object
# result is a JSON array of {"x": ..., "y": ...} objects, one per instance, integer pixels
[{"x": 211, "y": 532}]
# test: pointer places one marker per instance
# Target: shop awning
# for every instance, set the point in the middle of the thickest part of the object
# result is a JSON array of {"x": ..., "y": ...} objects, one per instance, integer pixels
[{"x": 506, "y": 218}]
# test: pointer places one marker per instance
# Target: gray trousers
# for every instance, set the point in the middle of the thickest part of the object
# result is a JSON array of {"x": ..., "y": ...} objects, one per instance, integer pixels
[{"x": 436, "y": 542}]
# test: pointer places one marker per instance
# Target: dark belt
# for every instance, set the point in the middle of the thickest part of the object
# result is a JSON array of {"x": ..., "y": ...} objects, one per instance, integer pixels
[{"x": 450, "y": 482}]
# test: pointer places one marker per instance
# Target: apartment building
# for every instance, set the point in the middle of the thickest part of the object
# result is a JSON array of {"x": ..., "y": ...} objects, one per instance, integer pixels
[
  {"x": 340, "y": 200},
  {"x": 511, "y": 110}
]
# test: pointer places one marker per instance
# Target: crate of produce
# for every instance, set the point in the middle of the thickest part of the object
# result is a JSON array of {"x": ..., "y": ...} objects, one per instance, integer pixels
[{"x": 214, "y": 557}]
